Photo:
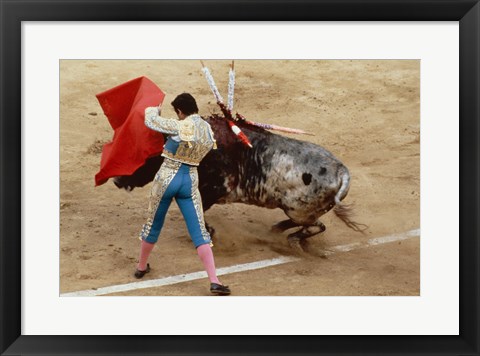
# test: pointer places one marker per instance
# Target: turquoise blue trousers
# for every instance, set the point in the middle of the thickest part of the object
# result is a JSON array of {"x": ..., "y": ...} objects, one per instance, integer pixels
[{"x": 176, "y": 181}]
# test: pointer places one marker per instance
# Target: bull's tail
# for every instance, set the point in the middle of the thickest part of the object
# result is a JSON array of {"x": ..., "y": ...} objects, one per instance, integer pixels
[
  {"x": 344, "y": 186},
  {"x": 343, "y": 211}
]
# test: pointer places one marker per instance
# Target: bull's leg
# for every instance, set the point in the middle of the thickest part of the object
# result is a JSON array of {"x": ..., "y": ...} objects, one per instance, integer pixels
[
  {"x": 284, "y": 225},
  {"x": 298, "y": 239},
  {"x": 208, "y": 200},
  {"x": 210, "y": 230}
]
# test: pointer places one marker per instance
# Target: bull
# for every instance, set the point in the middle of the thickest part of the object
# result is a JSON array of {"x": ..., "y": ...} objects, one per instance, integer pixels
[{"x": 303, "y": 179}]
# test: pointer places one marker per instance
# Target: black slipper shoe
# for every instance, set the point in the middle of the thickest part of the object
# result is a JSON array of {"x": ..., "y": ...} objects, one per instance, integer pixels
[
  {"x": 139, "y": 274},
  {"x": 218, "y": 289}
]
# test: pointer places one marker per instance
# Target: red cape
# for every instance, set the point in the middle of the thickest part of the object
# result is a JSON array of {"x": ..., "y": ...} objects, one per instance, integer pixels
[{"x": 133, "y": 143}]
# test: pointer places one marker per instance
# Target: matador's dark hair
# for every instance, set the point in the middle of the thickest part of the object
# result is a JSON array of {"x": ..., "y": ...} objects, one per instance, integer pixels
[{"x": 186, "y": 103}]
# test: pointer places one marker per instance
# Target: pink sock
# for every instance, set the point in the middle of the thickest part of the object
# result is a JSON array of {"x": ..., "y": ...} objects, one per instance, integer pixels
[
  {"x": 206, "y": 256},
  {"x": 145, "y": 250}
]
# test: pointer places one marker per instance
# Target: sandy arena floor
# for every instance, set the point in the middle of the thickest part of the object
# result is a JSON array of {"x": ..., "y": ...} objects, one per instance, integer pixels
[{"x": 367, "y": 113}]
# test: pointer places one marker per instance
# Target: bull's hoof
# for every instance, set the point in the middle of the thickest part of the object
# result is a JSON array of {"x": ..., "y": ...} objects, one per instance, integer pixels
[
  {"x": 295, "y": 245},
  {"x": 322, "y": 227},
  {"x": 305, "y": 245},
  {"x": 298, "y": 240},
  {"x": 299, "y": 245}
]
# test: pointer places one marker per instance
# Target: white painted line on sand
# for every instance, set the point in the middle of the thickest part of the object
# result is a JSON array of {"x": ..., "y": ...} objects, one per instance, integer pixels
[
  {"x": 179, "y": 278},
  {"x": 373, "y": 242},
  {"x": 236, "y": 268},
  {"x": 396, "y": 237}
]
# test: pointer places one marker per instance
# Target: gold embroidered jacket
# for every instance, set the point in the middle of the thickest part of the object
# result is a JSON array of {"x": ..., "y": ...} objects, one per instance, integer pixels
[{"x": 193, "y": 134}]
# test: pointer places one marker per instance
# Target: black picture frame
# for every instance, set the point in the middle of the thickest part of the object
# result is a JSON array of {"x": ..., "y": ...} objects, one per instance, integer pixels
[{"x": 13, "y": 12}]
